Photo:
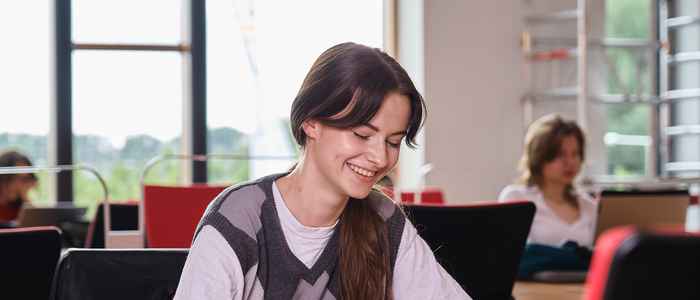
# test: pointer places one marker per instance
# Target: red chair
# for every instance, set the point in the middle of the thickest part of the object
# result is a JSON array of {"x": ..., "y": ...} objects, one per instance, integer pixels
[
  {"x": 633, "y": 264},
  {"x": 171, "y": 213},
  {"x": 28, "y": 258},
  {"x": 429, "y": 195}
]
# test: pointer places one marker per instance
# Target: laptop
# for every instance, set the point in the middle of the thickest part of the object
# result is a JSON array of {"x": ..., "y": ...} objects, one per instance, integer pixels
[
  {"x": 643, "y": 209},
  {"x": 479, "y": 245},
  {"x": 50, "y": 216}
]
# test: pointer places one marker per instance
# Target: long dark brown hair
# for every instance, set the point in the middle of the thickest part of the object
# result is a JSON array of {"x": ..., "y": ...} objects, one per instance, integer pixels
[
  {"x": 355, "y": 80},
  {"x": 542, "y": 145}
]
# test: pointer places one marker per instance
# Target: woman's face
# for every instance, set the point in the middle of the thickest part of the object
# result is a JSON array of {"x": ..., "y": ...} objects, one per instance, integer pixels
[
  {"x": 566, "y": 165},
  {"x": 20, "y": 184},
  {"x": 352, "y": 160}
]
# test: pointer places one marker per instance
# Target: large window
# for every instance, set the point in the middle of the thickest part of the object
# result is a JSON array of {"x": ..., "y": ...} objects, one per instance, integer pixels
[
  {"x": 127, "y": 105},
  {"x": 629, "y": 70},
  {"x": 25, "y": 77},
  {"x": 127, "y": 108},
  {"x": 258, "y": 54}
]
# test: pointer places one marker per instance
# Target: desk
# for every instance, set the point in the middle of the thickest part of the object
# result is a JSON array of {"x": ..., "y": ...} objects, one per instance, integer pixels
[{"x": 524, "y": 290}]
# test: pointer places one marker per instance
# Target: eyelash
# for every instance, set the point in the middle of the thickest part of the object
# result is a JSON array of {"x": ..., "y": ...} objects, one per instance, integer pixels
[{"x": 364, "y": 137}]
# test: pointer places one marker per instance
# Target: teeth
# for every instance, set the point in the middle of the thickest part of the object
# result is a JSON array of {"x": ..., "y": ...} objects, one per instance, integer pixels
[{"x": 361, "y": 171}]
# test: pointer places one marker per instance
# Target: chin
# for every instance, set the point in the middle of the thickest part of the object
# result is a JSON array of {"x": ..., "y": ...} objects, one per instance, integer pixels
[{"x": 359, "y": 193}]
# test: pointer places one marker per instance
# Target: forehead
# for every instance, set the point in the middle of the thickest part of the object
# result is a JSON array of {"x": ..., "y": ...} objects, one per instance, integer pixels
[
  {"x": 393, "y": 114},
  {"x": 569, "y": 142}
]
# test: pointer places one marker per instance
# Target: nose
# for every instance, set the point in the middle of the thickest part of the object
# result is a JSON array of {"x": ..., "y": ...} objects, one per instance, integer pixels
[
  {"x": 376, "y": 154},
  {"x": 572, "y": 160}
]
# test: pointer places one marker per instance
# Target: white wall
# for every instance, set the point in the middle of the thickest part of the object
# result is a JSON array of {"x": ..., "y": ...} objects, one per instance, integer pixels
[{"x": 473, "y": 86}]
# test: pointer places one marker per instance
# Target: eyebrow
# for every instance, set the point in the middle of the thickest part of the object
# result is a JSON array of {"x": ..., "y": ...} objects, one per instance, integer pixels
[{"x": 375, "y": 128}]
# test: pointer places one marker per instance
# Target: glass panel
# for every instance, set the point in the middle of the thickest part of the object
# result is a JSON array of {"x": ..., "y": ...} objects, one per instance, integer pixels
[
  {"x": 25, "y": 78},
  {"x": 127, "y": 21},
  {"x": 627, "y": 138},
  {"x": 127, "y": 109},
  {"x": 258, "y": 54}
]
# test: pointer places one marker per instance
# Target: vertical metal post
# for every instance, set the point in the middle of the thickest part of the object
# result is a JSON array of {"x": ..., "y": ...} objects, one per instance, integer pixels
[
  {"x": 582, "y": 62},
  {"x": 194, "y": 31},
  {"x": 63, "y": 137},
  {"x": 663, "y": 107},
  {"x": 654, "y": 162}
]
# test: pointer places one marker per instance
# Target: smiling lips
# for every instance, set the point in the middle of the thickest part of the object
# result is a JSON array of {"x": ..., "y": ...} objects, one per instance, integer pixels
[{"x": 362, "y": 171}]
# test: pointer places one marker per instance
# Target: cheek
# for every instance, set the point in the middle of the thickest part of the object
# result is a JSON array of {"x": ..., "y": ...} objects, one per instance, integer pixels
[
  {"x": 341, "y": 148},
  {"x": 392, "y": 157},
  {"x": 551, "y": 168}
]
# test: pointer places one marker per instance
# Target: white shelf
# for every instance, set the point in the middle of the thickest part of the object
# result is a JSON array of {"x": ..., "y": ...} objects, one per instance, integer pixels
[
  {"x": 552, "y": 17},
  {"x": 628, "y": 43},
  {"x": 682, "y": 57},
  {"x": 682, "y": 130},
  {"x": 683, "y": 166},
  {"x": 672, "y": 95},
  {"x": 681, "y": 21},
  {"x": 570, "y": 93}
]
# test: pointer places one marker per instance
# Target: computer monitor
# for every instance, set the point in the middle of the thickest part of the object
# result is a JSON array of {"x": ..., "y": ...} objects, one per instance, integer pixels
[{"x": 49, "y": 216}]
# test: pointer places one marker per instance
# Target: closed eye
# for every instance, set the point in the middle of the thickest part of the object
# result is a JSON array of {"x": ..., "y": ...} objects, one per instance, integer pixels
[
  {"x": 393, "y": 145},
  {"x": 364, "y": 137}
]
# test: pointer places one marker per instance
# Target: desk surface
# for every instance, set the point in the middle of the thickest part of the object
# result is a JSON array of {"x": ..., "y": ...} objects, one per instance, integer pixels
[{"x": 524, "y": 290}]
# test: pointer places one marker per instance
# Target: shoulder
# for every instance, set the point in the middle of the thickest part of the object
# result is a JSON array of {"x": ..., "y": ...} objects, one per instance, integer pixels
[
  {"x": 517, "y": 192},
  {"x": 239, "y": 207},
  {"x": 243, "y": 197},
  {"x": 586, "y": 200}
]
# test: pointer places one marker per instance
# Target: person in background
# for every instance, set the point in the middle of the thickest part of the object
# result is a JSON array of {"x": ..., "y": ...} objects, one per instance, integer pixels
[
  {"x": 552, "y": 158},
  {"x": 14, "y": 188},
  {"x": 321, "y": 231}
]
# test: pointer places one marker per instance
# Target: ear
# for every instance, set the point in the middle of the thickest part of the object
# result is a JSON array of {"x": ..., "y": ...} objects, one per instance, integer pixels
[{"x": 312, "y": 128}]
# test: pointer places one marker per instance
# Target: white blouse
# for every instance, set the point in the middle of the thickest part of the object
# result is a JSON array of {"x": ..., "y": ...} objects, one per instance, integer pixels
[{"x": 547, "y": 227}]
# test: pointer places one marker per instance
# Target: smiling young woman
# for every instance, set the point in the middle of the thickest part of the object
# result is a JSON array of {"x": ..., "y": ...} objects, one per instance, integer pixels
[{"x": 321, "y": 231}]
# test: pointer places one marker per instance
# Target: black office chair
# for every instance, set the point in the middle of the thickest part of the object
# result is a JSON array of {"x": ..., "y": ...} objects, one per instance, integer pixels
[
  {"x": 28, "y": 259},
  {"x": 107, "y": 274},
  {"x": 480, "y": 245}
]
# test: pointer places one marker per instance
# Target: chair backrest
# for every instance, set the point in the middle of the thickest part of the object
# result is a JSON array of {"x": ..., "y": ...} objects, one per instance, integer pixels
[
  {"x": 641, "y": 208},
  {"x": 171, "y": 213},
  {"x": 632, "y": 264},
  {"x": 428, "y": 195},
  {"x": 118, "y": 274},
  {"x": 480, "y": 245},
  {"x": 124, "y": 216},
  {"x": 28, "y": 258}
]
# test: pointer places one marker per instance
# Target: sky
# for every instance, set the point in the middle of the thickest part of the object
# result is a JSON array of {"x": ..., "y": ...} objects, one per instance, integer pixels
[{"x": 118, "y": 94}]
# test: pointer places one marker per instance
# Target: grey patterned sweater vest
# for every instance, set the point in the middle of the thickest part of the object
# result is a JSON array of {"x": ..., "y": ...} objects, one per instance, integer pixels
[{"x": 246, "y": 217}]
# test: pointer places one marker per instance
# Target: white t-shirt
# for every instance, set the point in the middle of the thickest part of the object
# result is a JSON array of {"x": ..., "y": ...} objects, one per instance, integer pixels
[
  {"x": 548, "y": 228},
  {"x": 213, "y": 271}
]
